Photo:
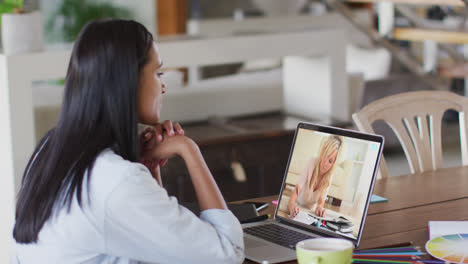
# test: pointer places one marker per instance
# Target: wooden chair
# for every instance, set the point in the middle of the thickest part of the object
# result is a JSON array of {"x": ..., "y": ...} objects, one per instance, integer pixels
[{"x": 416, "y": 119}]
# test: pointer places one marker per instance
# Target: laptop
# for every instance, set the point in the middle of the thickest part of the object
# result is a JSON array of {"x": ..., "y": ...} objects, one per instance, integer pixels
[{"x": 334, "y": 205}]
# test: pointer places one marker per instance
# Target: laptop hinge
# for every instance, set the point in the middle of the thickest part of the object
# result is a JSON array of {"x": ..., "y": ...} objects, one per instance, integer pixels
[{"x": 315, "y": 232}]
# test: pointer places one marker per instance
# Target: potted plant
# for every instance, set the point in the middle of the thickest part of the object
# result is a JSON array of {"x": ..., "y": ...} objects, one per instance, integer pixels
[
  {"x": 21, "y": 31},
  {"x": 71, "y": 15}
]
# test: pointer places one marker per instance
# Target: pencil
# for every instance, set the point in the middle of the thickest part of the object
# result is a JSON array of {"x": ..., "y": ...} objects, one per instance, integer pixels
[
  {"x": 369, "y": 261},
  {"x": 405, "y": 244},
  {"x": 388, "y": 252},
  {"x": 386, "y": 256},
  {"x": 399, "y": 261},
  {"x": 416, "y": 253},
  {"x": 389, "y": 249},
  {"x": 415, "y": 258},
  {"x": 393, "y": 262}
]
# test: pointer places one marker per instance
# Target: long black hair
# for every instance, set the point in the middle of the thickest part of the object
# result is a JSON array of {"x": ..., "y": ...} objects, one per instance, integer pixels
[{"x": 99, "y": 111}]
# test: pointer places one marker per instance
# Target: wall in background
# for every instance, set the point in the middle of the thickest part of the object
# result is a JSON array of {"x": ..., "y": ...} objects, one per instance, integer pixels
[{"x": 217, "y": 8}]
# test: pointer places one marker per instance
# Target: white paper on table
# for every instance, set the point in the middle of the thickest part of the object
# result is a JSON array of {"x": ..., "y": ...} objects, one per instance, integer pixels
[
  {"x": 330, "y": 216},
  {"x": 346, "y": 234},
  {"x": 441, "y": 228},
  {"x": 305, "y": 218}
]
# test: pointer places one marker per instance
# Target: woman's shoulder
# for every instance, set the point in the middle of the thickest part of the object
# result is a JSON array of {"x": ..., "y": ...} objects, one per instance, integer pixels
[
  {"x": 110, "y": 170},
  {"x": 312, "y": 161},
  {"x": 109, "y": 161}
]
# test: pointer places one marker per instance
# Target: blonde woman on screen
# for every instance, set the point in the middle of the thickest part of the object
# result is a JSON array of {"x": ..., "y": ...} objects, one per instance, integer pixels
[{"x": 315, "y": 180}]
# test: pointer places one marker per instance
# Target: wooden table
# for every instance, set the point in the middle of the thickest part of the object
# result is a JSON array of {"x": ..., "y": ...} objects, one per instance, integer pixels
[{"x": 413, "y": 201}]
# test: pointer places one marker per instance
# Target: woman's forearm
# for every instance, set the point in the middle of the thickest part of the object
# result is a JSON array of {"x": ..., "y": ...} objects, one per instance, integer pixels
[
  {"x": 293, "y": 198},
  {"x": 323, "y": 197},
  {"x": 208, "y": 193}
]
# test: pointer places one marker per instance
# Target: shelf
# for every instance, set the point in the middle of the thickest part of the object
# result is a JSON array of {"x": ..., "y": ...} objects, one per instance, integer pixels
[
  {"x": 414, "y": 2},
  {"x": 454, "y": 71},
  {"x": 417, "y": 34}
]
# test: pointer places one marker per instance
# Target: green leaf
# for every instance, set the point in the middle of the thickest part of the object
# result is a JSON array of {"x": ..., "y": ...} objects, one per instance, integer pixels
[
  {"x": 6, "y": 8},
  {"x": 14, "y": 3},
  {"x": 76, "y": 14}
]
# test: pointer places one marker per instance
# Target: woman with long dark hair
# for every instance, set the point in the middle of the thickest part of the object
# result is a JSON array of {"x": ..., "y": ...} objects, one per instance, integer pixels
[{"x": 86, "y": 198}]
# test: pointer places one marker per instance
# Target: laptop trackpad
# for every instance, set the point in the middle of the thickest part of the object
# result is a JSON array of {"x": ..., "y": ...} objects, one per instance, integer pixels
[
  {"x": 258, "y": 250},
  {"x": 271, "y": 253},
  {"x": 254, "y": 243}
]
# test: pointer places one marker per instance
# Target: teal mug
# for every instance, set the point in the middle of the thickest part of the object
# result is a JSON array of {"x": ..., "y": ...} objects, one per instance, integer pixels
[{"x": 324, "y": 251}]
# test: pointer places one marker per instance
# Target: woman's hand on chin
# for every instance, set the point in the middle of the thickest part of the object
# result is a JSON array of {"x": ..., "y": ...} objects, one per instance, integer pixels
[{"x": 151, "y": 138}]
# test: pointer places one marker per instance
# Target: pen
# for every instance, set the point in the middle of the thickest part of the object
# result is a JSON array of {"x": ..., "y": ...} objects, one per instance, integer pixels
[
  {"x": 256, "y": 219},
  {"x": 391, "y": 260},
  {"x": 405, "y": 244},
  {"x": 387, "y": 250}
]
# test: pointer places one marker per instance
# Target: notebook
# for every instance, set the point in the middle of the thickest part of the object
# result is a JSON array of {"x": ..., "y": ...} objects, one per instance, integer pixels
[
  {"x": 378, "y": 199},
  {"x": 442, "y": 228}
]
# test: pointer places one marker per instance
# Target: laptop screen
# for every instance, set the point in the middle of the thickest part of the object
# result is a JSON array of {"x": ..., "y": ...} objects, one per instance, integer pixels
[{"x": 329, "y": 178}]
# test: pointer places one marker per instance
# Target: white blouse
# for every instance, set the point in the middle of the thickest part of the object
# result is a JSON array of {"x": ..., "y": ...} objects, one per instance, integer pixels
[
  {"x": 129, "y": 218},
  {"x": 308, "y": 198}
]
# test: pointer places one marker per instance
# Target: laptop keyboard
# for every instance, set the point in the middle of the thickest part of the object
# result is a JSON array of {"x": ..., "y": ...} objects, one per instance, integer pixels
[{"x": 277, "y": 234}]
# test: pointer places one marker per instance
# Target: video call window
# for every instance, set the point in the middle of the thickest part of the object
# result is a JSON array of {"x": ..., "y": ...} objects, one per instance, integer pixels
[{"x": 328, "y": 181}]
